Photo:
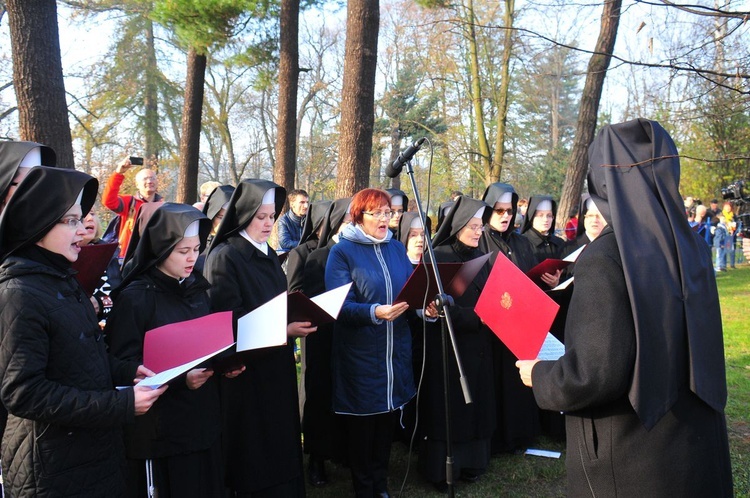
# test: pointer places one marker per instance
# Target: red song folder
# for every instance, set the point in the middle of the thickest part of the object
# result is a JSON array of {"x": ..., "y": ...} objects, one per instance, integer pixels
[
  {"x": 549, "y": 265},
  {"x": 91, "y": 263},
  {"x": 455, "y": 277},
  {"x": 178, "y": 343},
  {"x": 515, "y": 309}
]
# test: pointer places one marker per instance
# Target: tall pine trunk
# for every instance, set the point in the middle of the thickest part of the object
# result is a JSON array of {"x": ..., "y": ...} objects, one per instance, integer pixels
[
  {"x": 187, "y": 184},
  {"x": 286, "y": 134},
  {"x": 358, "y": 96},
  {"x": 152, "y": 139},
  {"x": 38, "y": 76}
]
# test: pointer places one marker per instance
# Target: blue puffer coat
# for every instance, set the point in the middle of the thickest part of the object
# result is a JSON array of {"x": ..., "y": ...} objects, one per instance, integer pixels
[{"x": 372, "y": 370}]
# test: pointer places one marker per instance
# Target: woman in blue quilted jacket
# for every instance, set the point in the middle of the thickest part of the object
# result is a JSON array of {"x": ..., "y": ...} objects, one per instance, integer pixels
[{"x": 372, "y": 351}]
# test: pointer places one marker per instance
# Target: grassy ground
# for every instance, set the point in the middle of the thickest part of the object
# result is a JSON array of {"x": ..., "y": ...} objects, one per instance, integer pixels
[{"x": 521, "y": 476}]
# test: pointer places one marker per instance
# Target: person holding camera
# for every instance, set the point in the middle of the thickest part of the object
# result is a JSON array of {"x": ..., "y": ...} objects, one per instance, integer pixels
[{"x": 126, "y": 206}]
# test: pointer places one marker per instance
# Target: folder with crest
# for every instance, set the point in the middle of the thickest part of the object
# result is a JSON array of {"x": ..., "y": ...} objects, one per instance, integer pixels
[{"x": 516, "y": 309}]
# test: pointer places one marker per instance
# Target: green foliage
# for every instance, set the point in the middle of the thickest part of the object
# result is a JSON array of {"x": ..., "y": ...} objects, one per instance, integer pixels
[
  {"x": 718, "y": 143},
  {"x": 410, "y": 107},
  {"x": 206, "y": 24},
  {"x": 434, "y": 4},
  {"x": 544, "y": 113},
  {"x": 113, "y": 110}
]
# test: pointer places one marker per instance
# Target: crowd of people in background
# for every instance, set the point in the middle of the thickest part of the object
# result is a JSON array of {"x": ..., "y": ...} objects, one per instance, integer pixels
[{"x": 239, "y": 431}]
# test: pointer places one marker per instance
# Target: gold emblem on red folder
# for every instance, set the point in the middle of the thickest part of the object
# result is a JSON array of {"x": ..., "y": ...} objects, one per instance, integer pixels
[{"x": 506, "y": 301}]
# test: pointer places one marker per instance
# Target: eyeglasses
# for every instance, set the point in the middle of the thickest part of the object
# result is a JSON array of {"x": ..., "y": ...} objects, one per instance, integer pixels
[
  {"x": 593, "y": 216},
  {"x": 502, "y": 211},
  {"x": 475, "y": 228},
  {"x": 71, "y": 222},
  {"x": 381, "y": 215}
]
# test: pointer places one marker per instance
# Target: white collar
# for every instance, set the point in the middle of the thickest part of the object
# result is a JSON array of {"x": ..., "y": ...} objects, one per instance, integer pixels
[{"x": 261, "y": 247}]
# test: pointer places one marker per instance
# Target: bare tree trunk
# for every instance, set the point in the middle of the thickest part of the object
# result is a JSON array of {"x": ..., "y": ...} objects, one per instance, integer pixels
[
  {"x": 152, "y": 138},
  {"x": 265, "y": 128},
  {"x": 38, "y": 76},
  {"x": 587, "y": 115},
  {"x": 476, "y": 91},
  {"x": 187, "y": 182},
  {"x": 502, "y": 105},
  {"x": 358, "y": 96},
  {"x": 286, "y": 139}
]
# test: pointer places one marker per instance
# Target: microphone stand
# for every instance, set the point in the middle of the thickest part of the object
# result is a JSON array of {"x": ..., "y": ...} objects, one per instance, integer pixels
[{"x": 442, "y": 301}]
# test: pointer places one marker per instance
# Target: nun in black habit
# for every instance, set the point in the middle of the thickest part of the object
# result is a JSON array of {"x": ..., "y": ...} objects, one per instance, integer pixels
[
  {"x": 16, "y": 158},
  {"x": 539, "y": 228},
  {"x": 263, "y": 451},
  {"x": 642, "y": 380},
  {"x": 499, "y": 235},
  {"x": 64, "y": 431},
  {"x": 180, "y": 436},
  {"x": 295, "y": 266},
  {"x": 411, "y": 233},
  {"x": 323, "y": 429},
  {"x": 517, "y": 413},
  {"x": 473, "y": 424},
  {"x": 399, "y": 205},
  {"x": 214, "y": 208}
]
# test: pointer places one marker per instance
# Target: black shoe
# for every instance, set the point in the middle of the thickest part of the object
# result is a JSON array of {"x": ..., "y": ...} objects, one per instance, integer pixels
[{"x": 316, "y": 472}]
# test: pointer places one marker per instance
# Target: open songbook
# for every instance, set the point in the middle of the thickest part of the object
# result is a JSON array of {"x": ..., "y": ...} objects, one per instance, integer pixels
[
  {"x": 551, "y": 265},
  {"x": 172, "y": 350}
]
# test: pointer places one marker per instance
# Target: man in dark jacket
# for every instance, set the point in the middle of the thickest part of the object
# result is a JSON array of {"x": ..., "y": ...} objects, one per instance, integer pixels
[{"x": 293, "y": 221}]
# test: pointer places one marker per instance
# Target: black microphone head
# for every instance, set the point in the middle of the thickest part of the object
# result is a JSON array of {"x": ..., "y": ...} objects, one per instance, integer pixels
[{"x": 394, "y": 169}]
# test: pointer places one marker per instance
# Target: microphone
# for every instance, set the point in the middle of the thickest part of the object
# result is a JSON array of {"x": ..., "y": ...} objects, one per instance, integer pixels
[{"x": 393, "y": 170}]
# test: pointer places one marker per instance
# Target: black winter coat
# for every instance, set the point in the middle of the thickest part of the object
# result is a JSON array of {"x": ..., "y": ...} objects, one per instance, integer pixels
[
  {"x": 63, "y": 436},
  {"x": 545, "y": 246},
  {"x": 609, "y": 452},
  {"x": 295, "y": 266},
  {"x": 517, "y": 248},
  {"x": 474, "y": 421},
  {"x": 182, "y": 420},
  {"x": 260, "y": 406},
  {"x": 323, "y": 429}
]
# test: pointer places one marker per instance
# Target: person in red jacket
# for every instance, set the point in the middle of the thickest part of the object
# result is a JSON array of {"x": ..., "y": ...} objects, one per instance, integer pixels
[{"x": 126, "y": 206}]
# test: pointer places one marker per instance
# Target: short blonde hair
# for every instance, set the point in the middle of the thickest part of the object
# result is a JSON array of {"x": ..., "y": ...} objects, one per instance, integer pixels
[{"x": 208, "y": 187}]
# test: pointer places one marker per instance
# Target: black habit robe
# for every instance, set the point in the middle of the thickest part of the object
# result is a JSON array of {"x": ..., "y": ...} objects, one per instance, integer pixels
[
  {"x": 260, "y": 407},
  {"x": 323, "y": 429},
  {"x": 545, "y": 246},
  {"x": 642, "y": 380},
  {"x": 517, "y": 413},
  {"x": 472, "y": 425},
  {"x": 181, "y": 431}
]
